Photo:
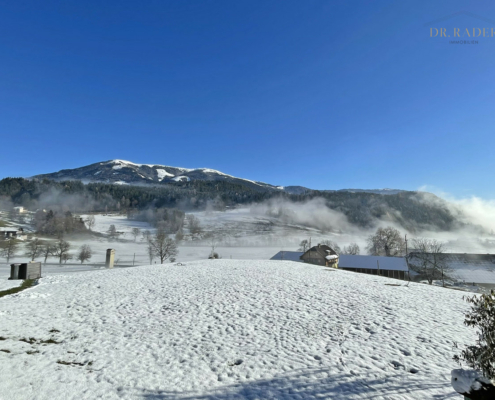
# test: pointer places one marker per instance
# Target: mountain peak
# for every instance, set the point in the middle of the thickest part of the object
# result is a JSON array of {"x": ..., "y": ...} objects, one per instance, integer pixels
[{"x": 123, "y": 172}]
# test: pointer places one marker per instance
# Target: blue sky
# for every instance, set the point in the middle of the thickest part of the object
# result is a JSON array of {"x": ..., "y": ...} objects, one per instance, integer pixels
[{"x": 324, "y": 94}]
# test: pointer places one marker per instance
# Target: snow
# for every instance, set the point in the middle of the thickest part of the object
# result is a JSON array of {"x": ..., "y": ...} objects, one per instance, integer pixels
[
  {"x": 180, "y": 178},
  {"x": 120, "y": 183},
  {"x": 465, "y": 381},
  {"x": 123, "y": 163},
  {"x": 119, "y": 164},
  {"x": 331, "y": 257},
  {"x": 5, "y": 284},
  {"x": 225, "y": 329},
  {"x": 213, "y": 171},
  {"x": 162, "y": 174}
]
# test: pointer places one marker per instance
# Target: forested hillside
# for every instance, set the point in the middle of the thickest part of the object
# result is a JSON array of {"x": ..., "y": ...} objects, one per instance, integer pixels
[{"x": 412, "y": 210}]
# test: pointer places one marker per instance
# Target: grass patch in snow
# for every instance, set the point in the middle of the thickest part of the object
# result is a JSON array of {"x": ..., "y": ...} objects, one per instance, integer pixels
[
  {"x": 25, "y": 285},
  {"x": 73, "y": 363},
  {"x": 32, "y": 340}
]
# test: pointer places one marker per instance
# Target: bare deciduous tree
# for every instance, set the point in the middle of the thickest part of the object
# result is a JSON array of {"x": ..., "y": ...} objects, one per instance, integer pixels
[
  {"x": 213, "y": 241},
  {"x": 428, "y": 260},
  {"x": 85, "y": 253},
  {"x": 332, "y": 245},
  {"x": 146, "y": 235},
  {"x": 46, "y": 251},
  {"x": 66, "y": 257},
  {"x": 352, "y": 249},
  {"x": 151, "y": 252},
  {"x": 162, "y": 246},
  {"x": 34, "y": 248},
  {"x": 193, "y": 224},
  {"x": 9, "y": 248},
  {"x": 61, "y": 249},
  {"x": 112, "y": 231},
  {"x": 386, "y": 242},
  {"x": 304, "y": 245},
  {"x": 135, "y": 232},
  {"x": 90, "y": 222}
]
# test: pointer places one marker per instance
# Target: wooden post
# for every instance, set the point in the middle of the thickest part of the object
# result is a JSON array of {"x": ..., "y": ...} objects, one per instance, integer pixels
[{"x": 110, "y": 258}]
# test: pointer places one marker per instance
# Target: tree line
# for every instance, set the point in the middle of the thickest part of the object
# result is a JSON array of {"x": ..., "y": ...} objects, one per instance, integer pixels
[{"x": 38, "y": 248}]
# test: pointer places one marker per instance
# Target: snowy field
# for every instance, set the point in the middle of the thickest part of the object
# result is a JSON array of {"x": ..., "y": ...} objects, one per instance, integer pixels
[
  {"x": 240, "y": 236},
  {"x": 225, "y": 329},
  {"x": 6, "y": 284}
]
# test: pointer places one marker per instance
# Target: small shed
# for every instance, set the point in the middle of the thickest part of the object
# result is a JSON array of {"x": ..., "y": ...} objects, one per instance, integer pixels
[
  {"x": 31, "y": 270},
  {"x": 9, "y": 233},
  {"x": 321, "y": 255}
]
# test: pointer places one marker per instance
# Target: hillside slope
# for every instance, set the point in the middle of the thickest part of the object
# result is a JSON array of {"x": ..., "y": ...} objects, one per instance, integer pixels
[{"x": 226, "y": 329}]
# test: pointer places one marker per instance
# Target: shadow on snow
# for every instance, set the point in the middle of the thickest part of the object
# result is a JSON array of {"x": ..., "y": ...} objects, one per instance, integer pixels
[{"x": 319, "y": 384}]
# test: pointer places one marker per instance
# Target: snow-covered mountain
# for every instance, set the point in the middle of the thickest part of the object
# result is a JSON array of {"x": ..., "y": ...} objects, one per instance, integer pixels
[{"x": 123, "y": 172}]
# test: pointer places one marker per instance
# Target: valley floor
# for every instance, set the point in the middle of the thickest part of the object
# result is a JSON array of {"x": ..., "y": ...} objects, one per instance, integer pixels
[{"x": 227, "y": 329}]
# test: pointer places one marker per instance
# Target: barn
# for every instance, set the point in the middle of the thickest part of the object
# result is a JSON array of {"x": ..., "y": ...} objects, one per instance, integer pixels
[
  {"x": 321, "y": 255},
  {"x": 288, "y": 256},
  {"x": 390, "y": 267}
]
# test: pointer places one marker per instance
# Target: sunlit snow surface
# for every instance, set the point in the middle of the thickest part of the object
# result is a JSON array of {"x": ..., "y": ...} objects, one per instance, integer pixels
[
  {"x": 225, "y": 329},
  {"x": 7, "y": 284}
]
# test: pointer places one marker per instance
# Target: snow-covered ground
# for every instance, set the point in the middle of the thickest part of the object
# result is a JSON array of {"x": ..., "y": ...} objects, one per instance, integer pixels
[
  {"x": 228, "y": 329},
  {"x": 240, "y": 234},
  {"x": 5, "y": 284}
]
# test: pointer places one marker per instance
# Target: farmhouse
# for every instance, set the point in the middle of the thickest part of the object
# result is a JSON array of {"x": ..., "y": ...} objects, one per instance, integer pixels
[
  {"x": 321, "y": 255},
  {"x": 390, "y": 267}
]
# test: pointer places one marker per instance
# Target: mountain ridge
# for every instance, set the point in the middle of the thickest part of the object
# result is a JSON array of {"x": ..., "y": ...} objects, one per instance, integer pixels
[{"x": 123, "y": 172}]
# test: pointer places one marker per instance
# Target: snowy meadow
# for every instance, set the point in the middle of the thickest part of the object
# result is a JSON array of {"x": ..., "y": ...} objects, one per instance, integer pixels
[{"x": 229, "y": 329}]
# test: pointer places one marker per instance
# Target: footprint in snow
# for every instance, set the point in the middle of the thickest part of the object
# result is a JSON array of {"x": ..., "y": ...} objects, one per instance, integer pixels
[{"x": 397, "y": 365}]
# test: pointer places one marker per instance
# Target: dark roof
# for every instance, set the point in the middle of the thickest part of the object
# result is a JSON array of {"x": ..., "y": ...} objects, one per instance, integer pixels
[
  {"x": 323, "y": 250},
  {"x": 288, "y": 255}
]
